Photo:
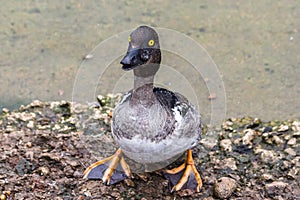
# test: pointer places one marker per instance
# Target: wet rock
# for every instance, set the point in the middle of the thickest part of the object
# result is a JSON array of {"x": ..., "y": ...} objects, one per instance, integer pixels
[
  {"x": 225, "y": 144},
  {"x": 224, "y": 187},
  {"x": 276, "y": 187}
]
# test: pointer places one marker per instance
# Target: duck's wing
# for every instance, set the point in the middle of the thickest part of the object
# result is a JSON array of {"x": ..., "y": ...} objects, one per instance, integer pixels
[
  {"x": 187, "y": 117},
  {"x": 174, "y": 101}
]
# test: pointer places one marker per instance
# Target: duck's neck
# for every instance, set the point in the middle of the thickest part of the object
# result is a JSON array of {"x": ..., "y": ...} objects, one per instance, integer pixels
[
  {"x": 142, "y": 81},
  {"x": 143, "y": 91}
]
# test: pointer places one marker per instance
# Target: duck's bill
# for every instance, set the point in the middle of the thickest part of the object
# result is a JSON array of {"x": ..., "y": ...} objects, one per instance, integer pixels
[{"x": 128, "y": 67}]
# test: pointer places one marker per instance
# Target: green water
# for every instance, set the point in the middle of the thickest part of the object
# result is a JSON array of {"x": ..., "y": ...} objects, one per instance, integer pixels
[{"x": 255, "y": 45}]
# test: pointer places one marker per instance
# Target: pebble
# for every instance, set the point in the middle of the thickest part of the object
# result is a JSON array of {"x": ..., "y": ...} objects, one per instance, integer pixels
[
  {"x": 296, "y": 126},
  {"x": 224, "y": 187},
  {"x": 208, "y": 143},
  {"x": 292, "y": 141},
  {"x": 283, "y": 128},
  {"x": 268, "y": 156},
  {"x": 3, "y": 197},
  {"x": 293, "y": 172},
  {"x": 248, "y": 137},
  {"x": 225, "y": 144},
  {"x": 267, "y": 177},
  {"x": 275, "y": 187},
  {"x": 44, "y": 170},
  {"x": 290, "y": 151},
  {"x": 129, "y": 182},
  {"x": 229, "y": 163},
  {"x": 277, "y": 140},
  {"x": 5, "y": 110},
  {"x": 36, "y": 103},
  {"x": 227, "y": 125},
  {"x": 30, "y": 124}
]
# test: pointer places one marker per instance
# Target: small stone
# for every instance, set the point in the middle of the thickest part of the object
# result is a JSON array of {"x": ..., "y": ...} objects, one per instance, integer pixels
[
  {"x": 227, "y": 125},
  {"x": 185, "y": 192},
  {"x": 44, "y": 170},
  {"x": 290, "y": 151},
  {"x": 2, "y": 197},
  {"x": 129, "y": 182},
  {"x": 30, "y": 124},
  {"x": 296, "y": 133},
  {"x": 283, "y": 128},
  {"x": 9, "y": 129},
  {"x": 5, "y": 110},
  {"x": 81, "y": 197},
  {"x": 249, "y": 136},
  {"x": 277, "y": 140},
  {"x": 226, "y": 145},
  {"x": 268, "y": 156},
  {"x": 224, "y": 187},
  {"x": 287, "y": 137},
  {"x": 292, "y": 141},
  {"x": 208, "y": 198},
  {"x": 36, "y": 103},
  {"x": 296, "y": 126},
  {"x": 29, "y": 144},
  {"x": 30, "y": 155},
  {"x": 293, "y": 172},
  {"x": 275, "y": 187},
  {"x": 267, "y": 177},
  {"x": 229, "y": 163},
  {"x": 208, "y": 143}
]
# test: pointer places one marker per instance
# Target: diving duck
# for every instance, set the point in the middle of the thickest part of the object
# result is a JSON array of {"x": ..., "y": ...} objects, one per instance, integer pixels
[{"x": 153, "y": 126}]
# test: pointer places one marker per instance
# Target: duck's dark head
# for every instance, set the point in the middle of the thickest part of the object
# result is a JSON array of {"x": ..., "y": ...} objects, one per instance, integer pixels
[{"x": 143, "y": 54}]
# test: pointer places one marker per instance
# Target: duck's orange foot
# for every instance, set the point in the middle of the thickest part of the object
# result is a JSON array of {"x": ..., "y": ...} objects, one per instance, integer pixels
[
  {"x": 185, "y": 176},
  {"x": 111, "y": 170}
]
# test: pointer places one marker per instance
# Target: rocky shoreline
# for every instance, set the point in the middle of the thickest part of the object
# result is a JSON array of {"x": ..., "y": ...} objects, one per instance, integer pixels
[{"x": 43, "y": 156}]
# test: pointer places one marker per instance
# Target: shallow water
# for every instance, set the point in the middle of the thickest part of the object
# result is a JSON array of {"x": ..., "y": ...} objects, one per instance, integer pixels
[{"x": 255, "y": 45}]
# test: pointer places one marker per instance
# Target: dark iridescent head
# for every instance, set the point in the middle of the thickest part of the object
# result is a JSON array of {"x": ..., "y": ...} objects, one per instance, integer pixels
[{"x": 143, "y": 54}]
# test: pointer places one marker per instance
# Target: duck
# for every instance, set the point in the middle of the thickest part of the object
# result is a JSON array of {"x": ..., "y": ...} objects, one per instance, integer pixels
[{"x": 152, "y": 126}]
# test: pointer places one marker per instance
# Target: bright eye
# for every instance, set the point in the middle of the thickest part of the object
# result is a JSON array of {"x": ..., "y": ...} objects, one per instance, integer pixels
[
  {"x": 151, "y": 43},
  {"x": 129, "y": 39}
]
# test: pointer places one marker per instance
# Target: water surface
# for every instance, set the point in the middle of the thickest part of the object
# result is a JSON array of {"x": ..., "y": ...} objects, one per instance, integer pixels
[{"x": 255, "y": 45}]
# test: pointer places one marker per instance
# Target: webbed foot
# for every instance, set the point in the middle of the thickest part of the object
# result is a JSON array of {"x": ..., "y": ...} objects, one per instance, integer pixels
[
  {"x": 111, "y": 170},
  {"x": 185, "y": 176}
]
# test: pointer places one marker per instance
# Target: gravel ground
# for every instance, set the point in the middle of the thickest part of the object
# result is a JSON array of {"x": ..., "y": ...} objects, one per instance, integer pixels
[{"x": 43, "y": 156}]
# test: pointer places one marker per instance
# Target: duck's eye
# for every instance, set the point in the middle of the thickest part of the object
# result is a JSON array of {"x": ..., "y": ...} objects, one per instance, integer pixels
[
  {"x": 129, "y": 39},
  {"x": 151, "y": 43}
]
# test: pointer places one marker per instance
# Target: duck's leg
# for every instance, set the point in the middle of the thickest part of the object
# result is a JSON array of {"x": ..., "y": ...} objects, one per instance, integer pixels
[
  {"x": 185, "y": 176},
  {"x": 106, "y": 169}
]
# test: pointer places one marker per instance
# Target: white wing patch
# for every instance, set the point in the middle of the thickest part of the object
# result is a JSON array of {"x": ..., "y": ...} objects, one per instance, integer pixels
[{"x": 177, "y": 114}]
